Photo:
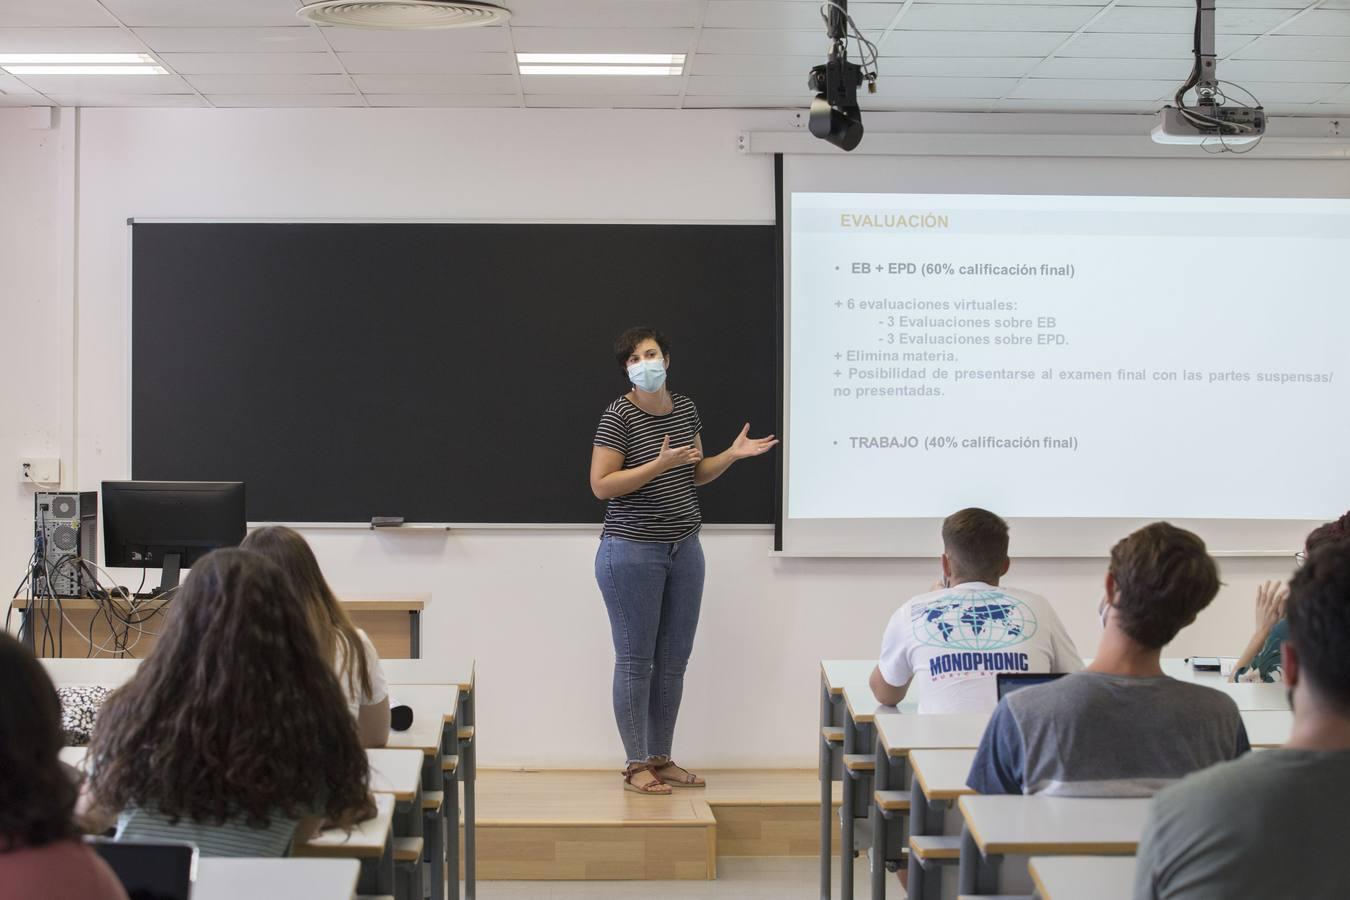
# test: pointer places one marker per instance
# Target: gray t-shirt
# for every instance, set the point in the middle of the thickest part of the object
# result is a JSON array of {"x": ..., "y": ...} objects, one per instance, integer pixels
[
  {"x": 1269, "y": 825},
  {"x": 1095, "y": 735}
]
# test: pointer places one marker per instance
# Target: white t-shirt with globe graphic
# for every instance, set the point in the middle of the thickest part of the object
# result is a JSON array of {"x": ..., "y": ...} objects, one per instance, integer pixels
[{"x": 953, "y": 642}]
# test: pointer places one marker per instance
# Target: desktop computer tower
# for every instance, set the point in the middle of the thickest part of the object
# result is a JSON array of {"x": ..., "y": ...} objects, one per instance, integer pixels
[{"x": 65, "y": 527}]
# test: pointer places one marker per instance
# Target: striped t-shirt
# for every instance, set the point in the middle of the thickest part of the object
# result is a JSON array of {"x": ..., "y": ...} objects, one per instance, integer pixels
[
  {"x": 665, "y": 509},
  {"x": 233, "y": 838}
]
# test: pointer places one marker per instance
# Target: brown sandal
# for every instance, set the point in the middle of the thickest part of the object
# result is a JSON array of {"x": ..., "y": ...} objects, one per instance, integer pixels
[
  {"x": 682, "y": 778},
  {"x": 655, "y": 787}
]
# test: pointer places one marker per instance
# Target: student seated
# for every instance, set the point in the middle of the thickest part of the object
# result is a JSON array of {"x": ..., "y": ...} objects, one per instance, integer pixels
[
  {"x": 41, "y": 854},
  {"x": 1269, "y": 825},
  {"x": 234, "y": 734},
  {"x": 1260, "y": 661},
  {"x": 354, "y": 658},
  {"x": 1120, "y": 728},
  {"x": 956, "y": 640}
]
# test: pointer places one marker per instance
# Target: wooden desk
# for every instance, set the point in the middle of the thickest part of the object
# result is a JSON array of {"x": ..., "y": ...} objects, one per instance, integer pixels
[
  {"x": 112, "y": 673},
  {"x": 835, "y": 741},
  {"x": 397, "y": 772},
  {"x": 275, "y": 879},
  {"x": 393, "y": 623},
  {"x": 937, "y": 780},
  {"x": 463, "y": 673},
  {"x": 1042, "y": 826},
  {"x": 941, "y": 774},
  {"x": 1268, "y": 728},
  {"x": 435, "y": 733},
  {"x": 370, "y": 842},
  {"x": 899, "y": 736},
  {"x": 1076, "y": 877}
]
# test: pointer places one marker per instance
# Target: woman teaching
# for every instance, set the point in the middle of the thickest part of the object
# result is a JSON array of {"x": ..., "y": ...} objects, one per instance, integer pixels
[{"x": 647, "y": 461}]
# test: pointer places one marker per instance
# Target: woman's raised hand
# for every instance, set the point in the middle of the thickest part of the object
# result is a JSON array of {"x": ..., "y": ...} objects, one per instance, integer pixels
[
  {"x": 745, "y": 446},
  {"x": 674, "y": 457}
]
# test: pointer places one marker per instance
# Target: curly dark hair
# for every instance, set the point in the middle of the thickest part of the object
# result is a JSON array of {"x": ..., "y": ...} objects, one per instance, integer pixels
[
  {"x": 1319, "y": 620},
  {"x": 626, "y": 343},
  {"x": 332, "y": 625},
  {"x": 236, "y": 714},
  {"x": 1164, "y": 578},
  {"x": 37, "y": 794},
  {"x": 1338, "y": 530}
]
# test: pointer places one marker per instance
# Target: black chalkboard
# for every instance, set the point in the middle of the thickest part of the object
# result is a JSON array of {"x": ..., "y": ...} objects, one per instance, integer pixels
[{"x": 439, "y": 372}]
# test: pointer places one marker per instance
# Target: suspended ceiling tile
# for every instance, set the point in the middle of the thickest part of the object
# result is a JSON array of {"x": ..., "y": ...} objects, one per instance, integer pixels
[{"x": 251, "y": 63}]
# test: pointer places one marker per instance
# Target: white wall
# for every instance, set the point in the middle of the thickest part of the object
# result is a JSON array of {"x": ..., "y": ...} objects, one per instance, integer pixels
[
  {"x": 35, "y": 326},
  {"x": 524, "y": 603}
]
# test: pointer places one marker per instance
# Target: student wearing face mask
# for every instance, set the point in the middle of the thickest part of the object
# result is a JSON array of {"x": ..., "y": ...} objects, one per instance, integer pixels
[{"x": 647, "y": 461}]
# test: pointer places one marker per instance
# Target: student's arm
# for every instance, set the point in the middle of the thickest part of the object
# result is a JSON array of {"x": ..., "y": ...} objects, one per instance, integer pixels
[
  {"x": 609, "y": 479},
  {"x": 372, "y": 719},
  {"x": 892, "y": 676},
  {"x": 1146, "y": 859},
  {"x": 1270, "y": 603},
  {"x": 886, "y": 693},
  {"x": 710, "y": 468},
  {"x": 372, "y": 723},
  {"x": 999, "y": 766},
  {"x": 90, "y": 817}
]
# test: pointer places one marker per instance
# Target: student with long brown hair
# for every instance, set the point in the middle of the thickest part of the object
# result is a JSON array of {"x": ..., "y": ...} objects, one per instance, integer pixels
[
  {"x": 233, "y": 735},
  {"x": 40, "y": 851},
  {"x": 354, "y": 658}
]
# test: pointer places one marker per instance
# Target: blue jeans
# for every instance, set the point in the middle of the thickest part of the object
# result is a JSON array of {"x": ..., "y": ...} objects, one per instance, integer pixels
[{"x": 653, "y": 593}]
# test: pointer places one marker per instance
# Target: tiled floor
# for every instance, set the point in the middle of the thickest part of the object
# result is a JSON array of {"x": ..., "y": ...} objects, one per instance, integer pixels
[{"x": 793, "y": 878}]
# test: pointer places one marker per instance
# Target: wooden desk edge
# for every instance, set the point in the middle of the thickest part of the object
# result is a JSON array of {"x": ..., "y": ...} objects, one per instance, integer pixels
[{"x": 1069, "y": 848}]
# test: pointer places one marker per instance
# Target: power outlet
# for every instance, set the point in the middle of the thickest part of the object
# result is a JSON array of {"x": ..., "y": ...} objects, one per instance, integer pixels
[{"x": 44, "y": 471}]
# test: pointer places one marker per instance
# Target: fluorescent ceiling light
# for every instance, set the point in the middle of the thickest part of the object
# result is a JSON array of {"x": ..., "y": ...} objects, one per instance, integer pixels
[
  {"x": 601, "y": 70},
  {"x": 635, "y": 59},
  {"x": 85, "y": 70},
  {"x": 37, "y": 59}
]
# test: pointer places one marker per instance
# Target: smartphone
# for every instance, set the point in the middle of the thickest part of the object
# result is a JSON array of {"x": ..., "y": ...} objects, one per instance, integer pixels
[{"x": 1205, "y": 663}]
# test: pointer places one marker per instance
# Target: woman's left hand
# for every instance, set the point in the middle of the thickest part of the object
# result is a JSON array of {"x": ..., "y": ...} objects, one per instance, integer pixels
[{"x": 745, "y": 446}]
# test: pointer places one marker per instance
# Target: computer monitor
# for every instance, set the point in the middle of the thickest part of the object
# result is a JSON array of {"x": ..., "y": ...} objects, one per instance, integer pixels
[
  {"x": 169, "y": 524},
  {"x": 1015, "y": 681}
]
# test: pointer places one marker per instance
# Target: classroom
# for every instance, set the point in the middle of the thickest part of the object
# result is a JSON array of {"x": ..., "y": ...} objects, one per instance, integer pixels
[{"x": 674, "y": 448}]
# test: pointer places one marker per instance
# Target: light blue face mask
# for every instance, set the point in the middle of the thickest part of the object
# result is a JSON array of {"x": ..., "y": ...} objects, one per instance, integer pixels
[{"x": 648, "y": 375}]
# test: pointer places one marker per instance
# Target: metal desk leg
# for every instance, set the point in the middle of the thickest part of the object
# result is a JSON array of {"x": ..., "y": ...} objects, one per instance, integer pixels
[
  {"x": 377, "y": 875},
  {"x": 414, "y": 634},
  {"x": 826, "y": 792},
  {"x": 918, "y": 824},
  {"x": 434, "y": 835},
  {"x": 880, "y": 823},
  {"x": 450, "y": 812},
  {"x": 470, "y": 776},
  {"x": 846, "y": 849},
  {"x": 978, "y": 875}
]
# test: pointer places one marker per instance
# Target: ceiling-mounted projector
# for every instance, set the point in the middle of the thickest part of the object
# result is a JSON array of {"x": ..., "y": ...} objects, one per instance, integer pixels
[
  {"x": 1213, "y": 120},
  {"x": 1237, "y": 126}
]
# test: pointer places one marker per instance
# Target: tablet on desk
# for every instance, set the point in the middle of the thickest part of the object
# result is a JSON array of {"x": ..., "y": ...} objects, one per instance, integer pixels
[{"x": 1015, "y": 681}]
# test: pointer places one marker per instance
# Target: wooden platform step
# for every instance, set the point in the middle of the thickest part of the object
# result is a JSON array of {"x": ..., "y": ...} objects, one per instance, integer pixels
[{"x": 581, "y": 825}]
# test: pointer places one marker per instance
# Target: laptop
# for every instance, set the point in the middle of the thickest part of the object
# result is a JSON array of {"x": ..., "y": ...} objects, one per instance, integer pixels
[
  {"x": 1015, "y": 681},
  {"x": 151, "y": 871}
]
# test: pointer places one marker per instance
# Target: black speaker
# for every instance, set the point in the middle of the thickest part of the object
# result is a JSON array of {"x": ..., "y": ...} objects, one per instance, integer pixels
[{"x": 65, "y": 526}]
